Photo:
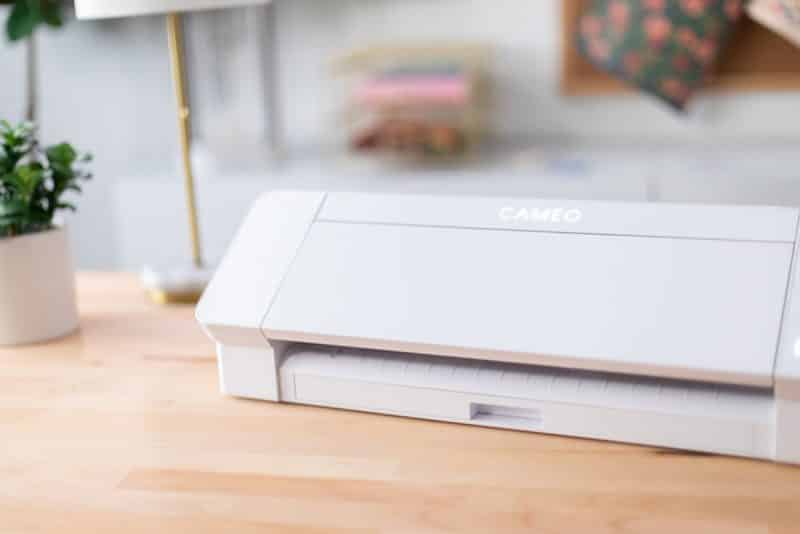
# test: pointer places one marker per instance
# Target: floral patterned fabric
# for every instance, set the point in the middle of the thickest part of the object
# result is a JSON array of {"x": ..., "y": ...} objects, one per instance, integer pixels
[{"x": 665, "y": 47}]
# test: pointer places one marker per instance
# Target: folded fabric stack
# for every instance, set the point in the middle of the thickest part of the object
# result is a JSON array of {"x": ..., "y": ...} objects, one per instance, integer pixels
[
  {"x": 416, "y": 100},
  {"x": 437, "y": 85},
  {"x": 416, "y": 108}
]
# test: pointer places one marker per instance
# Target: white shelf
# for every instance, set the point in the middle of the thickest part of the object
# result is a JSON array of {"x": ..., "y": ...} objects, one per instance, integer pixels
[{"x": 761, "y": 175}]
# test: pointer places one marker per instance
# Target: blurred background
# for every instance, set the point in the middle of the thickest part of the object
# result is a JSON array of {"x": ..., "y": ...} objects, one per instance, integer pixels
[{"x": 433, "y": 96}]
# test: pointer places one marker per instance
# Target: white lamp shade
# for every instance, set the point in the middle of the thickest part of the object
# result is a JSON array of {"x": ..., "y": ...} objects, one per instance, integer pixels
[{"x": 99, "y": 9}]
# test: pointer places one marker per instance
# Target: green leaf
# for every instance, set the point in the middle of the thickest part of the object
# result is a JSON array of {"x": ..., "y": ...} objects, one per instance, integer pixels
[
  {"x": 22, "y": 21},
  {"x": 33, "y": 182},
  {"x": 28, "y": 179},
  {"x": 62, "y": 154},
  {"x": 11, "y": 208},
  {"x": 51, "y": 13},
  {"x": 61, "y": 170}
]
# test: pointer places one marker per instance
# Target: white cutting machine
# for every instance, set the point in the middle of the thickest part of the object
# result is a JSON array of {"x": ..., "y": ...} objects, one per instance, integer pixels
[{"x": 668, "y": 325}]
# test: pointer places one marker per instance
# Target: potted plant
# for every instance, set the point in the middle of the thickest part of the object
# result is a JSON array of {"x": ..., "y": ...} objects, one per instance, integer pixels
[{"x": 37, "y": 282}]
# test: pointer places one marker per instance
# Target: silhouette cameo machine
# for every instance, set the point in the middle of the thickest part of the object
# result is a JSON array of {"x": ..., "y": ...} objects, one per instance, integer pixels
[{"x": 662, "y": 324}]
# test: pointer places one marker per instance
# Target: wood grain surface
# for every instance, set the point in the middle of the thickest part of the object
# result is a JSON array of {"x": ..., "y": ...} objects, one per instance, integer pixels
[{"x": 120, "y": 428}]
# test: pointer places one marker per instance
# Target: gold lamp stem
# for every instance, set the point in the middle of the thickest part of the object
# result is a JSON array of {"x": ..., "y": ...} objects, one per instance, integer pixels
[{"x": 179, "y": 78}]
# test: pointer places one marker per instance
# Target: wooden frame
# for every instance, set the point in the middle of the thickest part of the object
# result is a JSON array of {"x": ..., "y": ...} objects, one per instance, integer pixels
[{"x": 757, "y": 60}]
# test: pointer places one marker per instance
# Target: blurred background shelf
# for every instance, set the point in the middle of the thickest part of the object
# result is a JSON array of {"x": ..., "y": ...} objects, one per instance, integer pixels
[{"x": 677, "y": 173}]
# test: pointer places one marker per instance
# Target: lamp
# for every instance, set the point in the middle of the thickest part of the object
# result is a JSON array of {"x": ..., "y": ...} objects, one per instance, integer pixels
[{"x": 184, "y": 284}]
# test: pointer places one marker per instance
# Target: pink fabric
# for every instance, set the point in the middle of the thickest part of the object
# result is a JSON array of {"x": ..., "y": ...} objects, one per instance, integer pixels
[{"x": 442, "y": 90}]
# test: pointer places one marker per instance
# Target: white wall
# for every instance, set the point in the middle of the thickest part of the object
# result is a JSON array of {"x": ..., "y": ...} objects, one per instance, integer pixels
[{"x": 106, "y": 88}]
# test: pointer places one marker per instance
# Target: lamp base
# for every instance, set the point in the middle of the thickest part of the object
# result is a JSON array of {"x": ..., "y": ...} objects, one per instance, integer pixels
[{"x": 175, "y": 285}]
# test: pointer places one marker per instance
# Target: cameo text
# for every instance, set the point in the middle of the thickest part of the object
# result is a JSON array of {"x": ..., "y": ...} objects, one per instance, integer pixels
[{"x": 546, "y": 215}]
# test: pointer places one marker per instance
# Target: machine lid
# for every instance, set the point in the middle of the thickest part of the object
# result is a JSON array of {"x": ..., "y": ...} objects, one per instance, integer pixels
[{"x": 703, "y": 309}]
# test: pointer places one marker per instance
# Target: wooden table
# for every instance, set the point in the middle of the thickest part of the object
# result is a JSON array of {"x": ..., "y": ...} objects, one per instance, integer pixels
[{"x": 120, "y": 428}]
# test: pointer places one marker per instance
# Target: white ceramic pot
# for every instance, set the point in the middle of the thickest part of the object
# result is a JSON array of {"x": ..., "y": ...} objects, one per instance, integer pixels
[{"x": 37, "y": 288}]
